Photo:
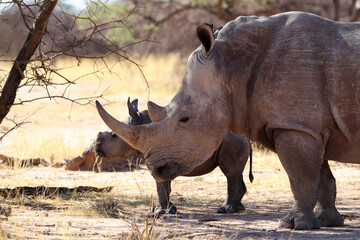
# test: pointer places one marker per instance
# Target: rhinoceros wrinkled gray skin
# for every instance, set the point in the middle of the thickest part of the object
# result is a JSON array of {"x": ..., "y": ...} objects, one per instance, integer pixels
[
  {"x": 231, "y": 157},
  {"x": 290, "y": 82}
]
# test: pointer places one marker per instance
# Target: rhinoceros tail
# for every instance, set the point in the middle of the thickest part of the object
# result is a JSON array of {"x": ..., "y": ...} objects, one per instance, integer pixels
[{"x": 251, "y": 177}]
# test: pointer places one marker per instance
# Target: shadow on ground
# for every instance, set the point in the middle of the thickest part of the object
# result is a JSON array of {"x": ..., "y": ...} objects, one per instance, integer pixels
[{"x": 258, "y": 221}]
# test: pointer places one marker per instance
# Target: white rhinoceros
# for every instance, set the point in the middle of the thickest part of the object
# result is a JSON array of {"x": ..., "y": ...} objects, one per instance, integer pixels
[
  {"x": 290, "y": 82},
  {"x": 230, "y": 157}
]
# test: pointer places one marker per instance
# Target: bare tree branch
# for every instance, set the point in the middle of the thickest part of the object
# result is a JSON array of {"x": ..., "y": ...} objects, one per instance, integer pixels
[
  {"x": 8, "y": 92},
  {"x": 79, "y": 36}
]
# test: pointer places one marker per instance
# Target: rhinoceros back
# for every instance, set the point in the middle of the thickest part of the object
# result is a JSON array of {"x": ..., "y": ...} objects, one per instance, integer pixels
[{"x": 305, "y": 71}]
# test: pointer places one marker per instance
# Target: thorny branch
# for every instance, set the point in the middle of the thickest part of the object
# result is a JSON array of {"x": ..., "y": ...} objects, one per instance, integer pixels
[
  {"x": 15, "y": 125},
  {"x": 36, "y": 32},
  {"x": 71, "y": 35}
]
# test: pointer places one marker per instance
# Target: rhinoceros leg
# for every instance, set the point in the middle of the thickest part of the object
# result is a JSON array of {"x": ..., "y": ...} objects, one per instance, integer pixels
[
  {"x": 164, "y": 206},
  {"x": 301, "y": 155},
  {"x": 325, "y": 209},
  {"x": 232, "y": 161},
  {"x": 236, "y": 190}
]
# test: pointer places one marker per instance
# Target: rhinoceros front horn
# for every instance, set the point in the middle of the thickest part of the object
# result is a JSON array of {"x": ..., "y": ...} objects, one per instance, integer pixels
[
  {"x": 156, "y": 112},
  {"x": 130, "y": 134}
]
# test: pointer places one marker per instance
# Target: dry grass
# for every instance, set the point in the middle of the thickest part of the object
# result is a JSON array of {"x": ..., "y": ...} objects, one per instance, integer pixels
[{"x": 61, "y": 130}]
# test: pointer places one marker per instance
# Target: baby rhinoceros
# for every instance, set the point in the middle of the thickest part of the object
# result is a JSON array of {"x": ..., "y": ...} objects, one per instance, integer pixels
[{"x": 231, "y": 157}]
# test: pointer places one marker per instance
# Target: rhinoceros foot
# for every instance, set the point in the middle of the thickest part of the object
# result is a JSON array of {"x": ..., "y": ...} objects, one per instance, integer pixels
[
  {"x": 329, "y": 217},
  {"x": 299, "y": 221},
  {"x": 230, "y": 208},
  {"x": 158, "y": 211}
]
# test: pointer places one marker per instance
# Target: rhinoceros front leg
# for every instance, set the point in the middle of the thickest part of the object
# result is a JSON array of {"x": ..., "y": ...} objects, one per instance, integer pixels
[
  {"x": 325, "y": 209},
  {"x": 164, "y": 204},
  {"x": 301, "y": 155}
]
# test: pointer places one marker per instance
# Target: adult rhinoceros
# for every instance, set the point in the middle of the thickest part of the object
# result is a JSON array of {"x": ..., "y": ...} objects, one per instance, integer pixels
[
  {"x": 231, "y": 157},
  {"x": 290, "y": 82}
]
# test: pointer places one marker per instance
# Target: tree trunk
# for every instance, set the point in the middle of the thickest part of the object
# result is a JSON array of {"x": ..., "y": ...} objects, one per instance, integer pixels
[{"x": 16, "y": 74}]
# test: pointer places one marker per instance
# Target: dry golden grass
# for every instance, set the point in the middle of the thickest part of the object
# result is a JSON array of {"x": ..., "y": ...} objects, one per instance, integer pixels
[{"x": 59, "y": 129}]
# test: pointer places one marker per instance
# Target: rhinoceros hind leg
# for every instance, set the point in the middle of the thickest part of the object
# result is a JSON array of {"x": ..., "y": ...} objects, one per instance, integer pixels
[
  {"x": 227, "y": 208},
  {"x": 299, "y": 221},
  {"x": 236, "y": 190},
  {"x": 329, "y": 217},
  {"x": 232, "y": 164},
  {"x": 301, "y": 155},
  {"x": 325, "y": 209}
]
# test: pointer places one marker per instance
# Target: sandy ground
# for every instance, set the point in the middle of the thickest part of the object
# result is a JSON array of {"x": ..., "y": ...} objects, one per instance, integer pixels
[{"x": 267, "y": 200}]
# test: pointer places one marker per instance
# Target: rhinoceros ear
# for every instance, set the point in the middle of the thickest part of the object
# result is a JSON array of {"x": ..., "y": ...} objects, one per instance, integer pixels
[
  {"x": 206, "y": 37},
  {"x": 133, "y": 109},
  {"x": 134, "y": 103},
  {"x": 156, "y": 112}
]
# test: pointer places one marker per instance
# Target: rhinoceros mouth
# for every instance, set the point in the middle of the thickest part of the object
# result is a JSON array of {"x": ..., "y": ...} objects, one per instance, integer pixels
[
  {"x": 165, "y": 173},
  {"x": 99, "y": 151},
  {"x": 162, "y": 170}
]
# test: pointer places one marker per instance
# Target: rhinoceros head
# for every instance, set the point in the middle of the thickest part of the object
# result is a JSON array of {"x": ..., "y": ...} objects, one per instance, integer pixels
[
  {"x": 187, "y": 131},
  {"x": 108, "y": 144}
]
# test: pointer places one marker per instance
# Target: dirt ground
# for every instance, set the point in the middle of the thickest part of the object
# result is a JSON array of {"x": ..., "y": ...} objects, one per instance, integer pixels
[{"x": 268, "y": 199}]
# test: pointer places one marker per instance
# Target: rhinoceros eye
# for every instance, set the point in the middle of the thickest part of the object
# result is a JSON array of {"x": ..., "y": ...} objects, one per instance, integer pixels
[
  {"x": 184, "y": 122},
  {"x": 184, "y": 119}
]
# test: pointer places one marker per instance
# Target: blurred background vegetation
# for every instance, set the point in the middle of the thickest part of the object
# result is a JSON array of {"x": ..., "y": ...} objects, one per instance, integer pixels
[{"x": 171, "y": 23}]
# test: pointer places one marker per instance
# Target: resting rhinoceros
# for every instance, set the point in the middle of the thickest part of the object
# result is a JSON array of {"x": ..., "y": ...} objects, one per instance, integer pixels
[
  {"x": 290, "y": 82},
  {"x": 231, "y": 157},
  {"x": 89, "y": 160}
]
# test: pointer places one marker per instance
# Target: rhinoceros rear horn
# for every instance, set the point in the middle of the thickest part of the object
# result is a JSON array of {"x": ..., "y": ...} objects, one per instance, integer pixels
[
  {"x": 131, "y": 134},
  {"x": 206, "y": 37},
  {"x": 133, "y": 109},
  {"x": 156, "y": 112}
]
